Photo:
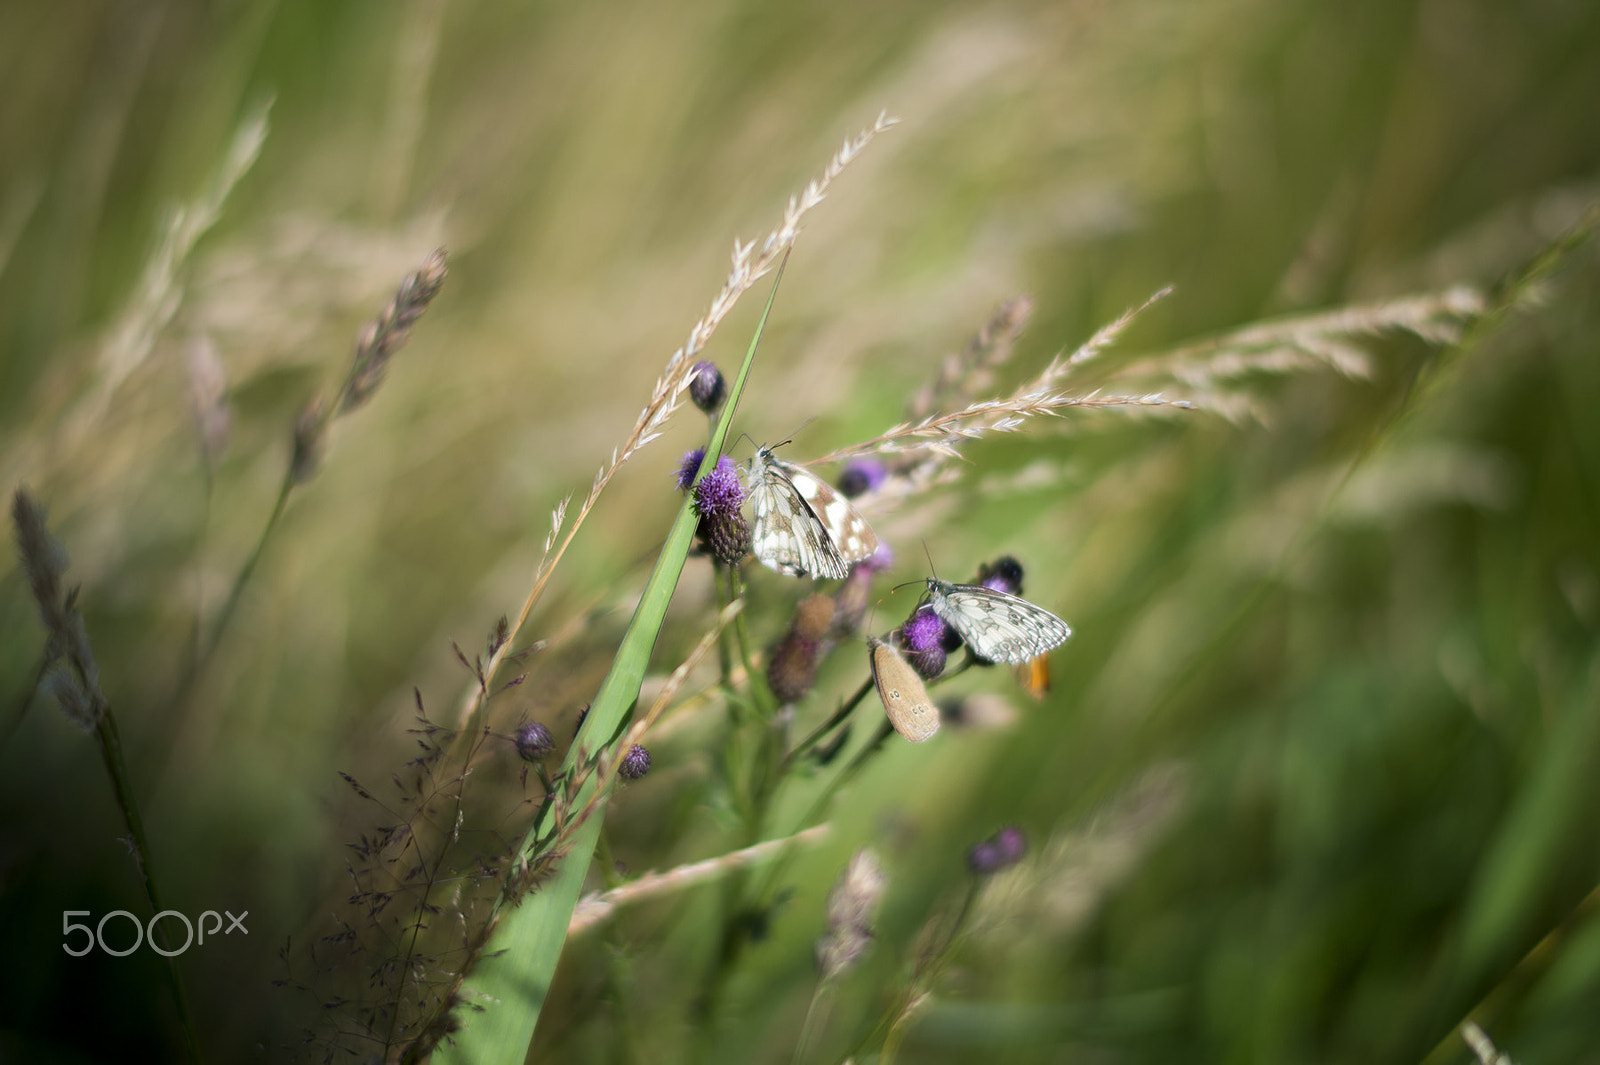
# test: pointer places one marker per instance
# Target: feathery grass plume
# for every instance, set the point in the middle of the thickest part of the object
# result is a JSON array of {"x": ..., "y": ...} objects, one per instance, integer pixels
[
  {"x": 964, "y": 376},
  {"x": 159, "y": 292},
  {"x": 924, "y": 447},
  {"x": 852, "y": 914},
  {"x": 1482, "y": 1046},
  {"x": 376, "y": 345},
  {"x": 208, "y": 397},
  {"x": 73, "y": 677},
  {"x": 1220, "y": 373}
]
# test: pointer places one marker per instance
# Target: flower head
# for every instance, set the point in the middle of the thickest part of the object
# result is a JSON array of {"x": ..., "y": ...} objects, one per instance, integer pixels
[
  {"x": 719, "y": 493},
  {"x": 924, "y": 636},
  {"x": 718, "y": 496},
  {"x": 689, "y": 467}
]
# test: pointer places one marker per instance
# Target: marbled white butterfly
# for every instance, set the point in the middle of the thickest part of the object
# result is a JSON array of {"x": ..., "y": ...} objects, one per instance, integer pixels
[
  {"x": 905, "y": 697},
  {"x": 997, "y": 626},
  {"x": 803, "y": 528}
]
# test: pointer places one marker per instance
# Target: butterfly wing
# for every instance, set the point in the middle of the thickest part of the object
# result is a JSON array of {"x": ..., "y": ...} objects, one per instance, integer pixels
[
  {"x": 905, "y": 697},
  {"x": 802, "y": 526},
  {"x": 998, "y": 626}
]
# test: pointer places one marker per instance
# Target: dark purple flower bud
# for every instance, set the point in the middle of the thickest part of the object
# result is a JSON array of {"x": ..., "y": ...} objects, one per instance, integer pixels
[
  {"x": 1003, "y": 849},
  {"x": 689, "y": 467},
  {"x": 706, "y": 386},
  {"x": 1004, "y": 574},
  {"x": 860, "y": 476},
  {"x": 923, "y": 637},
  {"x": 534, "y": 742},
  {"x": 635, "y": 764}
]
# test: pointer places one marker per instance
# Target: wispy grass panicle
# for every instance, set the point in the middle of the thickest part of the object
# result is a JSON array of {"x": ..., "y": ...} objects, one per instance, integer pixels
[
  {"x": 377, "y": 344},
  {"x": 922, "y": 448},
  {"x": 73, "y": 677}
]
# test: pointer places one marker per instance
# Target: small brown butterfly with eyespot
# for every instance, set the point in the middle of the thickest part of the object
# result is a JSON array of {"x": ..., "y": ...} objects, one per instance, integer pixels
[{"x": 905, "y": 698}]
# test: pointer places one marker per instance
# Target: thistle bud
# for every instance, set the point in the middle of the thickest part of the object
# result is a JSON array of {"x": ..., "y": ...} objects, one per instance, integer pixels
[
  {"x": 634, "y": 764},
  {"x": 1000, "y": 851},
  {"x": 861, "y": 476},
  {"x": 1004, "y": 574},
  {"x": 792, "y": 667},
  {"x": 534, "y": 742},
  {"x": 706, "y": 386}
]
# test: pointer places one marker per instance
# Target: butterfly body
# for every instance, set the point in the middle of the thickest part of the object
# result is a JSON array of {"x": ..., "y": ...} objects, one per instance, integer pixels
[
  {"x": 996, "y": 625},
  {"x": 904, "y": 696},
  {"x": 803, "y": 528}
]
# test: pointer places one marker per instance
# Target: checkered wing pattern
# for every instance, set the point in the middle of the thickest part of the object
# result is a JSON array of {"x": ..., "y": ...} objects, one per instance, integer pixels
[
  {"x": 995, "y": 625},
  {"x": 803, "y": 528}
]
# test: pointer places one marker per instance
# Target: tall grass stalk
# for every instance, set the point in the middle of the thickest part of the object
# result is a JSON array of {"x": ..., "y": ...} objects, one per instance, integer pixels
[{"x": 506, "y": 991}]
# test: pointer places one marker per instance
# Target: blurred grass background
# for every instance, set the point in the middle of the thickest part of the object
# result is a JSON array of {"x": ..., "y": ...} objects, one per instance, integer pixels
[{"x": 1318, "y": 765}]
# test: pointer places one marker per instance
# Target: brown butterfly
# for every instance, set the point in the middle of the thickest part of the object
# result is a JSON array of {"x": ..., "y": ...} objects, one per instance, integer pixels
[{"x": 905, "y": 699}]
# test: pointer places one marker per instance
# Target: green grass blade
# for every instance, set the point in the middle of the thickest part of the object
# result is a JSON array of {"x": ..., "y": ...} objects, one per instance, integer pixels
[{"x": 504, "y": 994}]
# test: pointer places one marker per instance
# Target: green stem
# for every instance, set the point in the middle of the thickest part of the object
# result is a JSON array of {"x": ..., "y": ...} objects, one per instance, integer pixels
[{"x": 111, "y": 753}]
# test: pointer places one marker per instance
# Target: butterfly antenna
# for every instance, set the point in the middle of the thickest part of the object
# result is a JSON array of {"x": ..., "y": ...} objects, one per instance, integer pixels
[{"x": 931, "y": 566}]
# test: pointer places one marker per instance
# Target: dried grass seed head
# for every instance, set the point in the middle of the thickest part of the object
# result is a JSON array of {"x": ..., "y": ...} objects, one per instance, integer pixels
[{"x": 852, "y": 909}]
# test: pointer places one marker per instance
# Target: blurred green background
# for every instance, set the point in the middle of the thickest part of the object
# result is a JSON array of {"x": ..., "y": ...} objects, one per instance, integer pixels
[{"x": 1319, "y": 765}]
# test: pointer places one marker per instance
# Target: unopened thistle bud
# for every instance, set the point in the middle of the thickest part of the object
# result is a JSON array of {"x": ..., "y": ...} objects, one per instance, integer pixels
[
  {"x": 1004, "y": 574},
  {"x": 706, "y": 386},
  {"x": 854, "y": 595},
  {"x": 634, "y": 764},
  {"x": 534, "y": 742},
  {"x": 792, "y": 667},
  {"x": 861, "y": 476},
  {"x": 1000, "y": 851},
  {"x": 924, "y": 636}
]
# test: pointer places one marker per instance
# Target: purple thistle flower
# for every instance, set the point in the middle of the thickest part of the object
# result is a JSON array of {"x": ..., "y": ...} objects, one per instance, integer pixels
[
  {"x": 718, "y": 497},
  {"x": 860, "y": 476},
  {"x": 719, "y": 493},
  {"x": 534, "y": 741},
  {"x": 635, "y": 764},
  {"x": 689, "y": 467},
  {"x": 1000, "y": 851},
  {"x": 706, "y": 386},
  {"x": 923, "y": 636}
]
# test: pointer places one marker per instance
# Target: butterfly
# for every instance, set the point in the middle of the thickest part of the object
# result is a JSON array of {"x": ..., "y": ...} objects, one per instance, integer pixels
[
  {"x": 803, "y": 528},
  {"x": 996, "y": 625},
  {"x": 905, "y": 699}
]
